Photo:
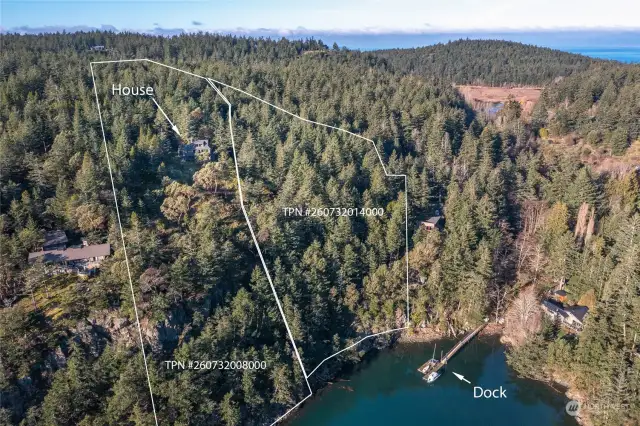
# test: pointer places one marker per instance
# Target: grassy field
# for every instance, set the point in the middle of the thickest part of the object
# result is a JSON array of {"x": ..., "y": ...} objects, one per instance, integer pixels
[{"x": 59, "y": 297}]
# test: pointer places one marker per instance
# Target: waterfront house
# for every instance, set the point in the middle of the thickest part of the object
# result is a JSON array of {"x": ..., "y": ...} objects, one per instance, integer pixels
[{"x": 570, "y": 316}]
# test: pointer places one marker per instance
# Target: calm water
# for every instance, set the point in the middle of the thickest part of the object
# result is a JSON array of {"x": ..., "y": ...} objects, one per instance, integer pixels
[
  {"x": 387, "y": 390},
  {"x": 623, "y": 45},
  {"x": 622, "y": 54}
]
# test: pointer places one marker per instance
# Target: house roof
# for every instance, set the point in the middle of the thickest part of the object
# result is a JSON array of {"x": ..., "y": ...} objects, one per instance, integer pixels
[
  {"x": 433, "y": 220},
  {"x": 58, "y": 256},
  {"x": 54, "y": 238},
  {"x": 578, "y": 311},
  {"x": 193, "y": 146},
  {"x": 552, "y": 306},
  {"x": 560, "y": 293}
]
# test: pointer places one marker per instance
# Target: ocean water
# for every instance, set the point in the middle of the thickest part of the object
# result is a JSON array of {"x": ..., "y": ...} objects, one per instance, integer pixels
[
  {"x": 623, "y": 46},
  {"x": 622, "y": 54},
  {"x": 387, "y": 390}
]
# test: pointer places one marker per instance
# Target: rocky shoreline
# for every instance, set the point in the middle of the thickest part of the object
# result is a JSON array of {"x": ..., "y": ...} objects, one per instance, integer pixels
[{"x": 428, "y": 334}]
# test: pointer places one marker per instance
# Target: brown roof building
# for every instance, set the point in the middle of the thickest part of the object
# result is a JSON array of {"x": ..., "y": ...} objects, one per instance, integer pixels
[
  {"x": 86, "y": 253},
  {"x": 84, "y": 261},
  {"x": 433, "y": 223}
]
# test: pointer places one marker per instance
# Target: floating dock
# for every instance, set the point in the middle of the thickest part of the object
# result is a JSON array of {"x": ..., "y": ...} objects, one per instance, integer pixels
[{"x": 435, "y": 365}]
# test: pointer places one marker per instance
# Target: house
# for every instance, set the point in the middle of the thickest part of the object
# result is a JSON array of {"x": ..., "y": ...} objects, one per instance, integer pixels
[
  {"x": 196, "y": 150},
  {"x": 559, "y": 296},
  {"x": 551, "y": 308},
  {"x": 55, "y": 240},
  {"x": 576, "y": 315},
  {"x": 570, "y": 316},
  {"x": 84, "y": 259},
  {"x": 433, "y": 223},
  {"x": 98, "y": 48}
]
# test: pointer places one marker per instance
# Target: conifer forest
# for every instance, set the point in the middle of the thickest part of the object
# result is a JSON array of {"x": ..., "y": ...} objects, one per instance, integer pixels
[{"x": 532, "y": 201}]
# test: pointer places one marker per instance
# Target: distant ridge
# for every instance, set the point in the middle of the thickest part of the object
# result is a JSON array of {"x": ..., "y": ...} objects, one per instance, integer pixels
[{"x": 487, "y": 62}]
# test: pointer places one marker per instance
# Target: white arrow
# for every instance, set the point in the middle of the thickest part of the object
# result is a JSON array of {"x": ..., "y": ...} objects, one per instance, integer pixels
[
  {"x": 173, "y": 126},
  {"x": 461, "y": 377}
]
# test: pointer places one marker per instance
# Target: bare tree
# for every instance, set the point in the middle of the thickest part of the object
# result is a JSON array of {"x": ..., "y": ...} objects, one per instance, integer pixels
[
  {"x": 498, "y": 296},
  {"x": 33, "y": 276},
  {"x": 523, "y": 317}
]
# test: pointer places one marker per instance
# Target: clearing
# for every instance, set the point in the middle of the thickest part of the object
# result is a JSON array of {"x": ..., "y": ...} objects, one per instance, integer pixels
[{"x": 487, "y": 97}]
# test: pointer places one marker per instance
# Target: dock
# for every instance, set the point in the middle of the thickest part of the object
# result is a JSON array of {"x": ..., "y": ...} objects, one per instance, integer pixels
[{"x": 435, "y": 365}]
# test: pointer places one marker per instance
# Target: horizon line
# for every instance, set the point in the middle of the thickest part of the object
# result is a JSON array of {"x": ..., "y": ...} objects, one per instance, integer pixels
[{"x": 302, "y": 31}]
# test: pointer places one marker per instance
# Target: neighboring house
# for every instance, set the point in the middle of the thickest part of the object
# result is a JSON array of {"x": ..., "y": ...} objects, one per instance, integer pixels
[
  {"x": 55, "y": 240},
  {"x": 433, "y": 223},
  {"x": 81, "y": 260},
  {"x": 196, "y": 150},
  {"x": 571, "y": 316}
]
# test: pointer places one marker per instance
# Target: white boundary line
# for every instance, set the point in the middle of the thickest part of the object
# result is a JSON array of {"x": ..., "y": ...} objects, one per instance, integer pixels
[
  {"x": 291, "y": 409},
  {"x": 211, "y": 82},
  {"x": 124, "y": 247},
  {"x": 173, "y": 126},
  {"x": 406, "y": 205},
  {"x": 356, "y": 343},
  {"x": 255, "y": 240}
]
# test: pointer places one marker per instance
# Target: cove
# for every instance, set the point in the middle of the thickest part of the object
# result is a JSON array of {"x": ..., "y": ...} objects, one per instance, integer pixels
[{"x": 387, "y": 390}]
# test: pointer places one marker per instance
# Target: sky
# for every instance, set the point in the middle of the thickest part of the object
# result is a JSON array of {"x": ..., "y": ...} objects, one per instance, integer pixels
[{"x": 298, "y": 17}]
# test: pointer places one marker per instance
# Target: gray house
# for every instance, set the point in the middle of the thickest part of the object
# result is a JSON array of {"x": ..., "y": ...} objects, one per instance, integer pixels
[
  {"x": 571, "y": 316},
  {"x": 196, "y": 150}
]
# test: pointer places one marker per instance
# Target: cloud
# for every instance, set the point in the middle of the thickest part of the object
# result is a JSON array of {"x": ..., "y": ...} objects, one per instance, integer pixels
[
  {"x": 377, "y": 37},
  {"x": 196, "y": 23},
  {"x": 46, "y": 29},
  {"x": 26, "y": 29},
  {"x": 166, "y": 32}
]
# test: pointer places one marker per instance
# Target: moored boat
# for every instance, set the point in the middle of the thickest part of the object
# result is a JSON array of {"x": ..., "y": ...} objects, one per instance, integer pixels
[{"x": 432, "y": 377}]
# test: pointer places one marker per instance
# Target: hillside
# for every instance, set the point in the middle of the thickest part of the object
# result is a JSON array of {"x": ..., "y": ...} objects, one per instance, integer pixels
[
  {"x": 201, "y": 291},
  {"x": 486, "y": 62},
  {"x": 600, "y": 105},
  {"x": 512, "y": 220}
]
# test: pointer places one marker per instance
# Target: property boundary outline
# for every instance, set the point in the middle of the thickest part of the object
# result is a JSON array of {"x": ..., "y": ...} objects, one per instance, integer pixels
[
  {"x": 213, "y": 83},
  {"x": 124, "y": 246}
]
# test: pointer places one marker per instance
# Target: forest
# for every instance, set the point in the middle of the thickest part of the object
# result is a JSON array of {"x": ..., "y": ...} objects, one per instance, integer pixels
[
  {"x": 487, "y": 62},
  {"x": 512, "y": 189}
]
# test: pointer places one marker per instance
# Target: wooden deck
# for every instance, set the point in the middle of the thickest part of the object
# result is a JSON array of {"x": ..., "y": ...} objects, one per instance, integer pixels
[{"x": 430, "y": 366}]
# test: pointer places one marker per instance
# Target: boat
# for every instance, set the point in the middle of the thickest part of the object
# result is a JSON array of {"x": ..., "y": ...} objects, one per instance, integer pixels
[
  {"x": 429, "y": 364},
  {"x": 432, "y": 377}
]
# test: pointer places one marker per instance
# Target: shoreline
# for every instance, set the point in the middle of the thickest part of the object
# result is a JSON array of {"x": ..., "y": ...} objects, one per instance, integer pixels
[
  {"x": 421, "y": 336},
  {"x": 429, "y": 334}
]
